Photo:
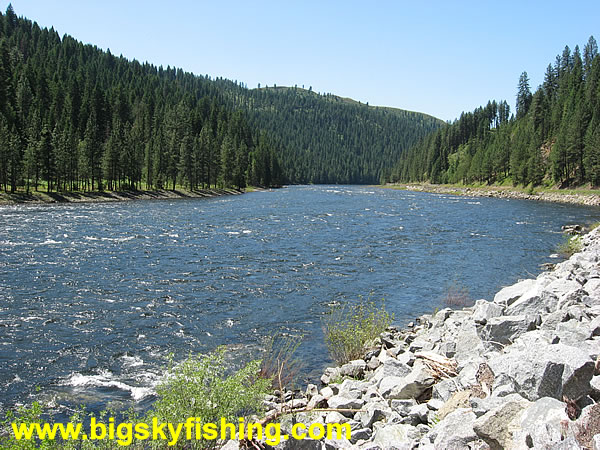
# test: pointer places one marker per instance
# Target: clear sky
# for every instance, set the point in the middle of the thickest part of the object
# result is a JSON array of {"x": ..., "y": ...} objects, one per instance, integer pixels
[{"x": 437, "y": 57}]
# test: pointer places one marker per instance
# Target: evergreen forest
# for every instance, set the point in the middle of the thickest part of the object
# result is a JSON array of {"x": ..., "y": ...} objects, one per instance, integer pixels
[
  {"x": 75, "y": 117},
  {"x": 552, "y": 139}
]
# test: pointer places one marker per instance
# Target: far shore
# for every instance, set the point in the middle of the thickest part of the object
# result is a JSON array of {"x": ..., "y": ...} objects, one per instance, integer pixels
[
  {"x": 35, "y": 197},
  {"x": 572, "y": 196}
]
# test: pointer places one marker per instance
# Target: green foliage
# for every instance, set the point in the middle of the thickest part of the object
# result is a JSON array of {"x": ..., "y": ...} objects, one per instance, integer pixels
[
  {"x": 23, "y": 414},
  {"x": 350, "y": 327},
  {"x": 570, "y": 246},
  {"x": 554, "y": 137},
  {"x": 73, "y": 117},
  {"x": 202, "y": 387}
]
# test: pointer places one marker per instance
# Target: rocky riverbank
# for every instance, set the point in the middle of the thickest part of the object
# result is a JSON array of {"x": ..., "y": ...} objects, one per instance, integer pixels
[
  {"x": 572, "y": 197},
  {"x": 111, "y": 196},
  {"x": 520, "y": 371}
]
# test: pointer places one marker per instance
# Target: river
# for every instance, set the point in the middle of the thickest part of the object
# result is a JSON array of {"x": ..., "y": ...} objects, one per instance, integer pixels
[{"x": 94, "y": 297}]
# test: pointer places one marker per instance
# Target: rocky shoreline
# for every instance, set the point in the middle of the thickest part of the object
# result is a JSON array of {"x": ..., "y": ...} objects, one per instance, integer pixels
[
  {"x": 520, "y": 371},
  {"x": 111, "y": 196},
  {"x": 502, "y": 192}
]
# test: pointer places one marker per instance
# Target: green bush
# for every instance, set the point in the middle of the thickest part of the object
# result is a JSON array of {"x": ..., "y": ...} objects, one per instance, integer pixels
[
  {"x": 201, "y": 387},
  {"x": 350, "y": 327},
  {"x": 571, "y": 245}
]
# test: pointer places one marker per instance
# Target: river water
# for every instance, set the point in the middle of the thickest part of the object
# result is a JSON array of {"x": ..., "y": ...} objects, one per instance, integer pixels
[{"x": 94, "y": 297}]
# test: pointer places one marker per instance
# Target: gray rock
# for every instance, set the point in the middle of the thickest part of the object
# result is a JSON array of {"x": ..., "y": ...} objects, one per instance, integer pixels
[
  {"x": 571, "y": 298},
  {"x": 447, "y": 349},
  {"x": 391, "y": 367},
  {"x": 373, "y": 363},
  {"x": 353, "y": 385},
  {"x": 469, "y": 346},
  {"x": 402, "y": 407},
  {"x": 410, "y": 386},
  {"x": 592, "y": 286},
  {"x": 495, "y": 427},
  {"x": 311, "y": 390},
  {"x": 393, "y": 436},
  {"x": 342, "y": 402},
  {"x": 419, "y": 413},
  {"x": 509, "y": 294},
  {"x": 354, "y": 369},
  {"x": 335, "y": 417},
  {"x": 595, "y": 385},
  {"x": 316, "y": 401},
  {"x": 330, "y": 373},
  {"x": 505, "y": 329},
  {"x": 434, "y": 404},
  {"x": 569, "y": 443},
  {"x": 361, "y": 434},
  {"x": 374, "y": 412},
  {"x": 444, "y": 389},
  {"x": 540, "y": 424},
  {"x": 481, "y": 406},
  {"x": 546, "y": 371},
  {"x": 571, "y": 333},
  {"x": 503, "y": 386},
  {"x": 596, "y": 442},
  {"x": 550, "y": 321},
  {"x": 327, "y": 392},
  {"x": 535, "y": 301},
  {"x": 485, "y": 310},
  {"x": 455, "y": 431},
  {"x": 231, "y": 445}
]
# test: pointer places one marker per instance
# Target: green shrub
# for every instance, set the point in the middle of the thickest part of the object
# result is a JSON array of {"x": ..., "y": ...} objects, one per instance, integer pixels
[
  {"x": 202, "y": 387},
  {"x": 571, "y": 245},
  {"x": 350, "y": 327}
]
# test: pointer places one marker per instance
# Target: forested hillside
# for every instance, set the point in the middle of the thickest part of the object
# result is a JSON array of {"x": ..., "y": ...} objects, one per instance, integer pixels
[
  {"x": 74, "y": 117},
  {"x": 329, "y": 139},
  {"x": 554, "y": 137}
]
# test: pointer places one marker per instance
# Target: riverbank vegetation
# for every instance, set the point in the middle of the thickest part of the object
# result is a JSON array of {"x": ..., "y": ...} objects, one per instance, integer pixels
[
  {"x": 552, "y": 139},
  {"x": 76, "y": 118},
  {"x": 350, "y": 327}
]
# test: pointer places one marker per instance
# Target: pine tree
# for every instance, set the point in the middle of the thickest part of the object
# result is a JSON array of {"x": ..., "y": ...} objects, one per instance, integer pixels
[{"x": 524, "y": 96}]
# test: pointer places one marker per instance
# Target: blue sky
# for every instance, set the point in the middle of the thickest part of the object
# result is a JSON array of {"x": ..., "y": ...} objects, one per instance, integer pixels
[{"x": 438, "y": 57}]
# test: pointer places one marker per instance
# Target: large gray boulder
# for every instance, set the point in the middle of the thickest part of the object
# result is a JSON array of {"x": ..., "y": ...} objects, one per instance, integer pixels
[
  {"x": 345, "y": 404},
  {"x": 505, "y": 329},
  {"x": 497, "y": 426},
  {"x": 374, "y": 412},
  {"x": 541, "y": 424},
  {"x": 354, "y": 369},
  {"x": 484, "y": 311},
  {"x": 546, "y": 370},
  {"x": 506, "y": 296},
  {"x": 392, "y": 436},
  {"x": 411, "y": 386},
  {"x": 455, "y": 431},
  {"x": 391, "y": 367}
]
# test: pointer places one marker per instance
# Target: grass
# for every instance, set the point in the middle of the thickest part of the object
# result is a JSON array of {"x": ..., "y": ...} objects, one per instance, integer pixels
[
  {"x": 350, "y": 327},
  {"x": 570, "y": 246},
  {"x": 280, "y": 365}
]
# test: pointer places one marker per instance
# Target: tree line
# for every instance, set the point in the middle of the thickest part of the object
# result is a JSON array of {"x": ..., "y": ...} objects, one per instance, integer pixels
[
  {"x": 553, "y": 137},
  {"x": 74, "y": 117},
  {"x": 329, "y": 139}
]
